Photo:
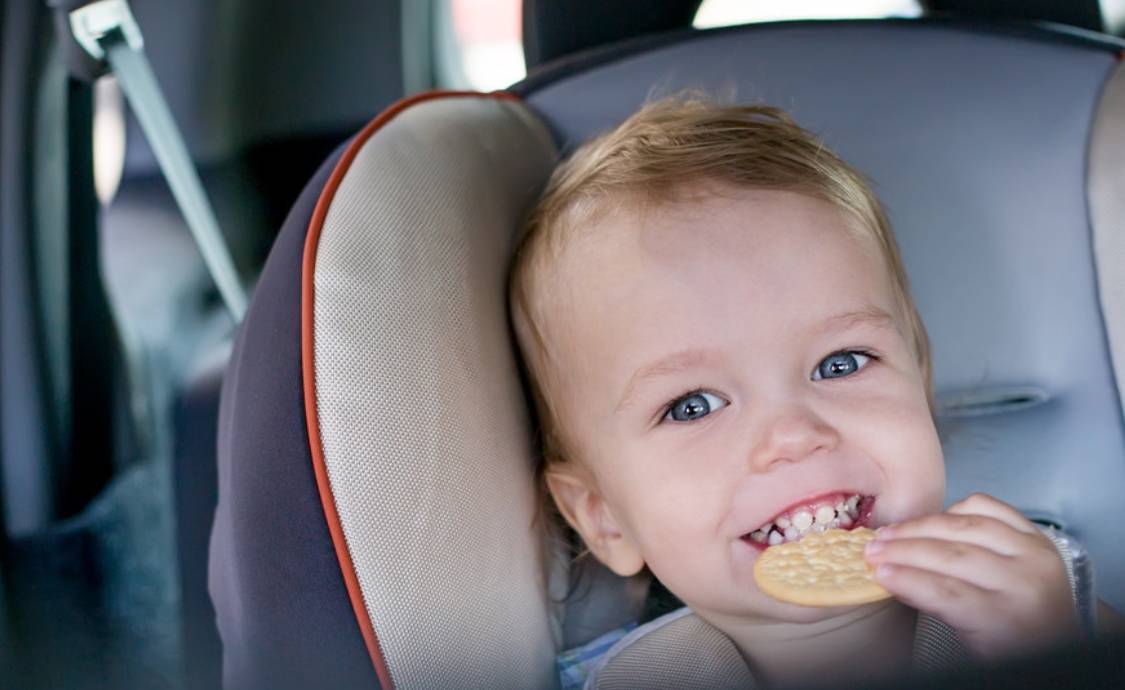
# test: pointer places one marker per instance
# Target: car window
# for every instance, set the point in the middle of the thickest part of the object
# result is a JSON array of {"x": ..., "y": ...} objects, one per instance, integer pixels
[
  {"x": 478, "y": 44},
  {"x": 713, "y": 13}
]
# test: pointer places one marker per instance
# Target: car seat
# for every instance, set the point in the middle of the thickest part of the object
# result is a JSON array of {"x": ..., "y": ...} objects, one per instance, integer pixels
[{"x": 374, "y": 526}]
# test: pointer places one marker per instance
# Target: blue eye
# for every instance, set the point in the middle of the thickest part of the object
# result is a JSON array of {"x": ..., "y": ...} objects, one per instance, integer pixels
[
  {"x": 839, "y": 365},
  {"x": 694, "y": 406}
]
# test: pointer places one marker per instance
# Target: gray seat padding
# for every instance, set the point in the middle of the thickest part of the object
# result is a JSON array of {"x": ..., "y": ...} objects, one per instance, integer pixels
[{"x": 194, "y": 480}]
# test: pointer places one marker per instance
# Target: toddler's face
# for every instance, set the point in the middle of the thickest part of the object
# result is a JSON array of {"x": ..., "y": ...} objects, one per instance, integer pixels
[{"x": 726, "y": 364}]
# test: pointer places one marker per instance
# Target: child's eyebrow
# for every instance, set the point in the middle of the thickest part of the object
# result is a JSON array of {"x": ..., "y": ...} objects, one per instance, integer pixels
[
  {"x": 673, "y": 363},
  {"x": 693, "y": 357},
  {"x": 865, "y": 316}
]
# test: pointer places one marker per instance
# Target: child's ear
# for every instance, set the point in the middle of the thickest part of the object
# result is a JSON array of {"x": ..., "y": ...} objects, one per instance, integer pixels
[{"x": 583, "y": 506}]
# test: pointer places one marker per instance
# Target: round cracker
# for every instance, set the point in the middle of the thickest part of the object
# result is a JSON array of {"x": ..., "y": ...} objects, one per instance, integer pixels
[{"x": 825, "y": 569}]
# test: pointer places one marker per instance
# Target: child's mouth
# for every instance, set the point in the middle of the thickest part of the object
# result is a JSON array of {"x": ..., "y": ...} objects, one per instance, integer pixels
[{"x": 845, "y": 511}]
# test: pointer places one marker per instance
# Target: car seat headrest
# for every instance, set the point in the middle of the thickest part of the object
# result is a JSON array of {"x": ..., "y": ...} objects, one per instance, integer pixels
[
  {"x": 416, "y": 421},
  {"x": 418, "y": 409}
]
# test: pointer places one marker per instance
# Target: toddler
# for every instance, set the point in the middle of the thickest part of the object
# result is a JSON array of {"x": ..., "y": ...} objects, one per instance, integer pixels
[{"x": 724, "y": 355}]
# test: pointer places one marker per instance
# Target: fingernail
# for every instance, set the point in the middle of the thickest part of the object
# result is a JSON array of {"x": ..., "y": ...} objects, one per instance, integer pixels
[
  {"x": 873, "y": 547},
  {"x": 884, "y": 533},
  {"x": 884, "y": 571}
]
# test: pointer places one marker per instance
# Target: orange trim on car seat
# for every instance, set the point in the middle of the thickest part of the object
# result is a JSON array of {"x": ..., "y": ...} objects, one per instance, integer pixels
[{"x": 308, "y": 370}]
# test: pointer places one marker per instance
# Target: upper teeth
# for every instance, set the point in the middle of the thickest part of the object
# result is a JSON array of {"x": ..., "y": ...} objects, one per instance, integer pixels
[{"x": 791, "y": 527}]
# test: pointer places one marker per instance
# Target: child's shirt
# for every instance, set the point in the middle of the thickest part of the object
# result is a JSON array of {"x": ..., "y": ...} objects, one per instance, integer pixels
[{"x": 575, "y": 664}]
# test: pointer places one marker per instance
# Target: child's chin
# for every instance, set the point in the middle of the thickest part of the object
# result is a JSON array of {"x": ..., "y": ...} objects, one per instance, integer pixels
[
  {"x": 793, "y": 613},
  {"x": 763, "y": 608}
]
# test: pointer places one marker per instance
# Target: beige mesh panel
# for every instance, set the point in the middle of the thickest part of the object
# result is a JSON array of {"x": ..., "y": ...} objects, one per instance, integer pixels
[
  {"x": 684, "y": 652},
  {"x": 936, "y": 646},
  {"x": 1106, "y": 196},
  {"x": 424, "y": 427}
]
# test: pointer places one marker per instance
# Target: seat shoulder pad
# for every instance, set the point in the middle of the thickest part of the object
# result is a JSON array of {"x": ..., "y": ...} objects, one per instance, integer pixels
[{"x": 677, "y": 650}]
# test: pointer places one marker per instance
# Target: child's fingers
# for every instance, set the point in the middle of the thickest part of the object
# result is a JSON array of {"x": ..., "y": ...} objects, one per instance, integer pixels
[
  {"x": 979, "y": 530},
  {"x": 957, "y": 602},
  {"x": 976, "y": 565},
  {"x": 983, "y": 504}
]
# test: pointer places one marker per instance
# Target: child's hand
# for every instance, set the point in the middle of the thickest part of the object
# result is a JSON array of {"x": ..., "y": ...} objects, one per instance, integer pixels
[{"x": 985, "y": 570}]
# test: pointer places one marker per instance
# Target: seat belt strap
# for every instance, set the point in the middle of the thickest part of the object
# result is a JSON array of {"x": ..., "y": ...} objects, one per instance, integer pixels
[{"x": 107, "y": 30}]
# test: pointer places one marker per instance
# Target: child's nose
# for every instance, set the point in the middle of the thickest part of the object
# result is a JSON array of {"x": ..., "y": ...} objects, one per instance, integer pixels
[{"x": 791, "y": 435}]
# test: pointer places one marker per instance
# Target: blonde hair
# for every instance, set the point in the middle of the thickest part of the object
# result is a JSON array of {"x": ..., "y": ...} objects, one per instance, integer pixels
[{"x": 666, "y": 149}]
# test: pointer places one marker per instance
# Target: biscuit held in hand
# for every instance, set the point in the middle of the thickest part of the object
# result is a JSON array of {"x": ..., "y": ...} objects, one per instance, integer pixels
[{"x": 820, "y": 570}]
